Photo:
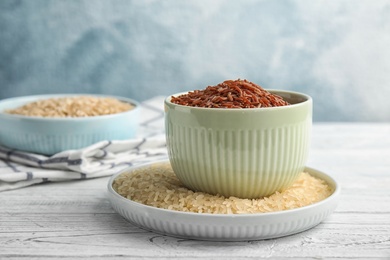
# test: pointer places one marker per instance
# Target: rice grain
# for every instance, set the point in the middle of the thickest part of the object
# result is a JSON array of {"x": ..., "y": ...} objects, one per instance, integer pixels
[
  {"x": 158, "y": 186},
  {"x": 77, "y": 106}
]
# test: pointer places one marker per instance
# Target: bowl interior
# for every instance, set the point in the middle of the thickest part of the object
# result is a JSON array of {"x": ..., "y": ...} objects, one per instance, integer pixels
[{"x": 291, "y": 97}]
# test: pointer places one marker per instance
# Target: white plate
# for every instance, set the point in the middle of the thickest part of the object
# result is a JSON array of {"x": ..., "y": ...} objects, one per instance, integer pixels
[{"x": 224, "y": 227}]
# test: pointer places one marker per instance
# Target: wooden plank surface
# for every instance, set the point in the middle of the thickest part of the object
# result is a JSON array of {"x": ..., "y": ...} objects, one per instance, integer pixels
[{"x": 75, "y": 220}]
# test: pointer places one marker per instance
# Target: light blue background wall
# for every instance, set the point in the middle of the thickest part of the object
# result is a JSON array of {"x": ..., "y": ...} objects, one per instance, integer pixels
[{"x": 336, "y": 51}]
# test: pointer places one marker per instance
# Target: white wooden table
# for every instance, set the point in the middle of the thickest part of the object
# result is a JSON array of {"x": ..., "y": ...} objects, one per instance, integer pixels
[{"x": 75, "y": 220}]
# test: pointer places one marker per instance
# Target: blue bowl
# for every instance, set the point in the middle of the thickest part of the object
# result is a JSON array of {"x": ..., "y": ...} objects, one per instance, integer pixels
[{"x": 49, "y": 136}]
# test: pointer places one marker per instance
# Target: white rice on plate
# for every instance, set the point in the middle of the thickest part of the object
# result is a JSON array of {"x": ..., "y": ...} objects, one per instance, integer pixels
[{"x": 158, "y": 186}]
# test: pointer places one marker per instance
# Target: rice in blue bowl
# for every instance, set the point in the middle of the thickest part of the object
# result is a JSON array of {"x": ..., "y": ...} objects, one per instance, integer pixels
[{"x": 55, "y": 128}]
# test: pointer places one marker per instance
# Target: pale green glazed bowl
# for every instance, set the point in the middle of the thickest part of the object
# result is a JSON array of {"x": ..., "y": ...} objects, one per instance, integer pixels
[{"x": 246, "y": 153}]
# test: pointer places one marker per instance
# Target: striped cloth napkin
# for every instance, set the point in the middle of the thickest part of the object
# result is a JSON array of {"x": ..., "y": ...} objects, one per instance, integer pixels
[{"x": 20, "y": 169}]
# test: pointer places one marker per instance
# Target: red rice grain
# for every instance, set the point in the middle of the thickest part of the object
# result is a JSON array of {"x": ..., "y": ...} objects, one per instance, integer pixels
[{"x": 231, "y": 94}]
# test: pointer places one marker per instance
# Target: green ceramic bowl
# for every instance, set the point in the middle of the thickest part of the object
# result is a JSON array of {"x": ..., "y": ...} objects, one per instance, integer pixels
[{"x": 246, "y": 153}]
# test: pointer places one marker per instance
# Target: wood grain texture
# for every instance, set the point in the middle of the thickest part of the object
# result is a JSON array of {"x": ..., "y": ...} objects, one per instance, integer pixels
[{"x": 73, "y": 220}]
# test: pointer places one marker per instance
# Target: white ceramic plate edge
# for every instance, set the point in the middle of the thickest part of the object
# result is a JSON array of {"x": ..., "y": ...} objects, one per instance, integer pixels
[{"x": 222, "y": 227}]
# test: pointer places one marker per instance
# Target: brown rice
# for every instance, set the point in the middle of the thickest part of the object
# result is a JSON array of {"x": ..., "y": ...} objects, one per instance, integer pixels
[
  {"x": 230, "y": 94},
  {"x": 77, "y": 106},
  {"x": 159, "y": 187}
]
